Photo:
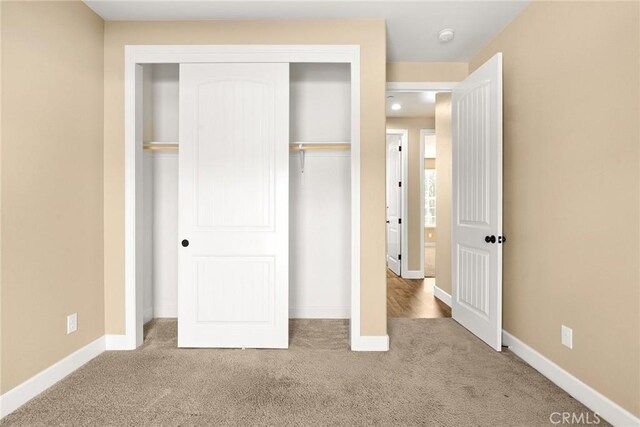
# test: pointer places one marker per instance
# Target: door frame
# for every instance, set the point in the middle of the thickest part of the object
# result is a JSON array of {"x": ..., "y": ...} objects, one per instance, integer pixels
[
  {"x": 446, "y": 87},
  {"x": 137, "y": 55},
  {"x": 404, "y": 147}
]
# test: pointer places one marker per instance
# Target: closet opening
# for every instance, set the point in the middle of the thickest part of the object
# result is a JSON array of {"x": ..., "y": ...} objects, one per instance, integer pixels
[{"x": 320, "y": 205}]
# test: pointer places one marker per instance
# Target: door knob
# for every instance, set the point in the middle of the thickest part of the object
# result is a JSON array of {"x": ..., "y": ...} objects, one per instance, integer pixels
[
  {"x": 502, "y": 239},
  {"x": 490, "y": 239},
  {"x": 387, "y": 221},
  {"x": 185, "y": 243}
]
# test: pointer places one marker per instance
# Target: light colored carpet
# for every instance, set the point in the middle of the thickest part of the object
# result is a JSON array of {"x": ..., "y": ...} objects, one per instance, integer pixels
[
  {"x": 436, "y": 374},
  {"x": 429, "y": 261}
]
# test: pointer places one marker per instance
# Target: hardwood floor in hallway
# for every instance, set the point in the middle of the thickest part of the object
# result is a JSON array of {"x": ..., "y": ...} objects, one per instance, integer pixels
[{"x": 413, "y": 298}]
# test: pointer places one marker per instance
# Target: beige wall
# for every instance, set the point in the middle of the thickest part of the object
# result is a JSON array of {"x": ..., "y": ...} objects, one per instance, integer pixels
[
  {"x": 414, "y": 198},
  {"x": 443, "y": 191},
  {"x": 571, "y": 168},
  {"x": 426, "y": 71},
  {"x": 369, "y": 34},
  {"x": 432, "y": 231},
  {"x": 52, "y": 245}
]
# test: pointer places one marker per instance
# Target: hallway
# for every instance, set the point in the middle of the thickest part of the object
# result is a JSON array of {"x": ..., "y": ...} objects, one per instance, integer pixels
[{"x": 413, "y": 298}]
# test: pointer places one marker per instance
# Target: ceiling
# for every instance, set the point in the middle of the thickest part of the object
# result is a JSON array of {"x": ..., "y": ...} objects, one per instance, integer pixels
[
  {"x": 412, "y": 26},
  {"x": 414, "y": 104}
]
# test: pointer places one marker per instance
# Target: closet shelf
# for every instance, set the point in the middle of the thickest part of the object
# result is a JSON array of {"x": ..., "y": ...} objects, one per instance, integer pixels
[
  {"x": 310, "y": 146},
  {"x": 292, "y": 147},
  {"x": 160, "y": 147}
]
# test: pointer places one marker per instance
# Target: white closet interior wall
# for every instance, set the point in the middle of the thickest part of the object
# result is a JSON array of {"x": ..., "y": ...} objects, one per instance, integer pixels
[
  {"x": 320, "y": 197},
  {"x": 160, "y": 103},
  {"x": 320, "y": 200}
]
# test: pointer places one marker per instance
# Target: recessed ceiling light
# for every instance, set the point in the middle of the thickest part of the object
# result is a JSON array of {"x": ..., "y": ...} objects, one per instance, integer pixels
[
  {"x": 396, "y": 106},
  {"x": 446, "y": 35}
]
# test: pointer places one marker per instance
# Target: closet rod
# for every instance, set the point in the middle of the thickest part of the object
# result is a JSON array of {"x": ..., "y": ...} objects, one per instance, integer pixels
[
  {"x": 160, "y": 147},
  {"x": 296, "y": 147},
  {"x": 308, "y": 147}
]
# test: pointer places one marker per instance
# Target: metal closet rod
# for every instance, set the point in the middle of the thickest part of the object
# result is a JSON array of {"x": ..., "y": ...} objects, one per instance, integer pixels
[{"x": 292, "y": 147}]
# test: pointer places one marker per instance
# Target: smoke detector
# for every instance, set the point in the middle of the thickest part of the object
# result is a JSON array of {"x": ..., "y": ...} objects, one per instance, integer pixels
[{"x": 446, "y": 35}]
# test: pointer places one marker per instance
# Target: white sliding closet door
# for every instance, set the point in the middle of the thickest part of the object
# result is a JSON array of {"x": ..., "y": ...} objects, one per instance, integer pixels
[{"x": 233, "y": 205}]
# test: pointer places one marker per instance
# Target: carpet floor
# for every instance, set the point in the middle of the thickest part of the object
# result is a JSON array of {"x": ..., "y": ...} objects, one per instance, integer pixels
[{"x": 436, "y": 374}]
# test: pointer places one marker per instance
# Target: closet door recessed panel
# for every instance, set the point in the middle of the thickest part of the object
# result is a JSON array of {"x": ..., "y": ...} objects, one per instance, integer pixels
[{"x": 235, "y": 154}]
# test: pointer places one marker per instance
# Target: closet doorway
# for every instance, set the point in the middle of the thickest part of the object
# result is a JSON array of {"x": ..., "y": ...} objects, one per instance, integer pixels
[{"x": 311, "y": 162}]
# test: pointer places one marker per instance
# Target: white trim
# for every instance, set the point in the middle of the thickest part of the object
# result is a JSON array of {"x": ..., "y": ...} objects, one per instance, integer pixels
[
  {"x": 416, "y": 86},
  {"x": 404, "y": 212},
  {"x": 603, "y": 406},
  {"x": 370, "y": 343},
  {"x": 135, "y": 55},
  {"x": 21, "y": 394},
  {"x": 116, "y": 342},
  {"x": 442, "y": 295},
  {"x": 319, "y": 312},
  {"x": 413, "y": 274}
]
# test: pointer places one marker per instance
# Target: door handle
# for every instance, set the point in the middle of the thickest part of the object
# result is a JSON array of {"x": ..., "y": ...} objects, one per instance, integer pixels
[
  {"x": 490, "y": 239},
  {"x": 185, "y": 243},
  {"x": 387, "y": 221},
  {"x": 502, "y": 239}
]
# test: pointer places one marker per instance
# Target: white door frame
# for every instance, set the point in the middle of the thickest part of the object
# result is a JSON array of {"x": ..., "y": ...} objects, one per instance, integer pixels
[
  {"x": 135, "y": 57},
  {"x": 404, "y": 144},
  {"x": 416, "y": 87},
  {"x": 423, "y": 133}
]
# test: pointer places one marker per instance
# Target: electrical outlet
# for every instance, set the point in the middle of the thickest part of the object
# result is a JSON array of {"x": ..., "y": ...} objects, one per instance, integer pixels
[
  {"x": 72, "y": 323},
  {"x": 566, "y": 334}
]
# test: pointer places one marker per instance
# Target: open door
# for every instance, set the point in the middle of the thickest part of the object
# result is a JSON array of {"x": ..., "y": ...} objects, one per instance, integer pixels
[
  {"x": 233, "y": 205},
  {"x": 477, "y": 203},
  {"x": 394, "y": 202}
]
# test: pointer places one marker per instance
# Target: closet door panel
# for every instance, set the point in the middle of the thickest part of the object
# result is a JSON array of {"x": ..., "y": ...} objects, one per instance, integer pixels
[{"x": 234, "y": 178}]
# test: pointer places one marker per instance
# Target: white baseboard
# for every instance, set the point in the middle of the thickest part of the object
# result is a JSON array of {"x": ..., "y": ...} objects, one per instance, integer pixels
[
  {"x": 165, "y": 311},
  {"x": 319, "y": 312},
  {"x": 603, "y": 406},
  {"x": 21, "y": 394},
  {"x": 370, "y": 343},
  {"x": 116, "y": 342},
  {"x": 413, "y": 274},
  {"x": 442, "y": 295}
]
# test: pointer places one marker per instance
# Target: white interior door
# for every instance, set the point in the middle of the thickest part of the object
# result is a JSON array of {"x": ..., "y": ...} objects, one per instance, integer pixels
[
  {"x": 233, "y": 205},
  {"x": 394, "y": 202},
  {"x": 477, "y": 203}
]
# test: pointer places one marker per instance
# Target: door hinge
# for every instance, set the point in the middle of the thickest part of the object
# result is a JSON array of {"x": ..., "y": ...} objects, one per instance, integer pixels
[
  {"x": 399, "y": 183},
  {"x": 399, "y": 257},
  {"x": 399, "y": 220}
]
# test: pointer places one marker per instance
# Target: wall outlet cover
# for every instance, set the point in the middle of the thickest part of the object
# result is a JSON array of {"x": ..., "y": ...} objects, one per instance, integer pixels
[
  {"x": 566, "y": 334},
  {"x": 72, "y": 323}
]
